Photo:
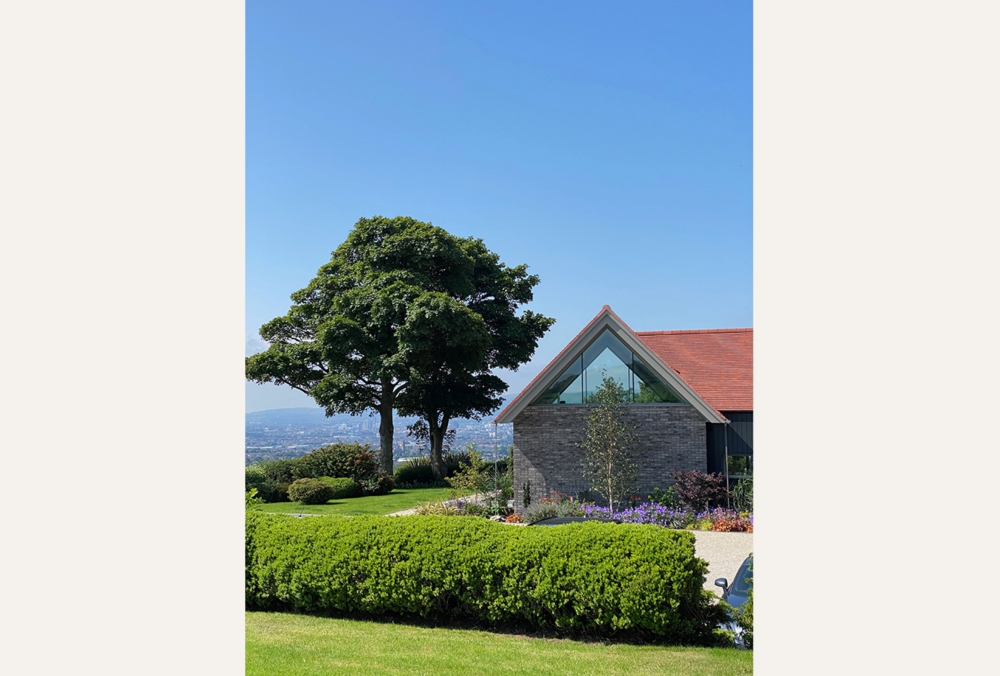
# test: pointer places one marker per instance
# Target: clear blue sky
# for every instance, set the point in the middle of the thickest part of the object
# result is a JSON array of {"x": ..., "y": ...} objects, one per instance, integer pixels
[{"x": 606, "y": 145}]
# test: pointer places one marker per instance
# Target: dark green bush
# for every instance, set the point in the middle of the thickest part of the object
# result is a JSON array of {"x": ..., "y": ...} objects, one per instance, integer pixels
[
  {"x": 380, "y": 484},
  {"x": 310, "y": 491},
  {"x": 268, "y": 490},
  {"x": 279, "y": 471},
  {"x": 343, "y": 487},
  {"x": 354, "y": 461},
  {"x": 580, "y": 579},
  {"x": 414, "y": 472}
]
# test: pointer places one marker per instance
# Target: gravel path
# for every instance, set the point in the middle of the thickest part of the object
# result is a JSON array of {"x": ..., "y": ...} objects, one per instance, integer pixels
[{"x": 724, "y": 553}]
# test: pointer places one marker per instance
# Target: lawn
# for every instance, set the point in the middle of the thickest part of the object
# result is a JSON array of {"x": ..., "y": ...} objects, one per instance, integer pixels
[
  {"x": 300, "y": 645},
  {"x": 398, "y": 500}
]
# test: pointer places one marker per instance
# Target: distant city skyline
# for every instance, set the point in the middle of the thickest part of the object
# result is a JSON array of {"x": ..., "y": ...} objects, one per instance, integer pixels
[{"x": 609, "y": 148}]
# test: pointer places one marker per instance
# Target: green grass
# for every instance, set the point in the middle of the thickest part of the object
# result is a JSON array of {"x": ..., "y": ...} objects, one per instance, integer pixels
[
  {"x": 281, "y": 644},
  {"x": 398, "y": 500}
]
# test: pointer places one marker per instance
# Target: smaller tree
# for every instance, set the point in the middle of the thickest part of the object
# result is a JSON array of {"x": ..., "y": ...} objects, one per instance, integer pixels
[{"x": 609, "y": 444}]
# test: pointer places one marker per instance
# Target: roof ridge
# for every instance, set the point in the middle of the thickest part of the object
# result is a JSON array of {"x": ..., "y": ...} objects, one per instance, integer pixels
[{"x": 657, "y": 333}]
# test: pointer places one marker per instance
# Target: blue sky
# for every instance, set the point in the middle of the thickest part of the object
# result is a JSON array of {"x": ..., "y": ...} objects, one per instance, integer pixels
[{"x": 606, "y": 145}]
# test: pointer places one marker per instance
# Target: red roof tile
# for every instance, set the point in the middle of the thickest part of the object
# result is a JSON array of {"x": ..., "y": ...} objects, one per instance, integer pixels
[{"x": 716, "y": 363}]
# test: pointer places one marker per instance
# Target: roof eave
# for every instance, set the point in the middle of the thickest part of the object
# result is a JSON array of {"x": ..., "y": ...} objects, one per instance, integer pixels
[{"x": 606, "y": 318}]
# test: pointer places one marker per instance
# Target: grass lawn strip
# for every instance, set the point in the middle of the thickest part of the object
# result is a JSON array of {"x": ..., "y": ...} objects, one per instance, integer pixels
[
  {"x": 301, "y": 645},
  {"x": 398, "y": 500}
]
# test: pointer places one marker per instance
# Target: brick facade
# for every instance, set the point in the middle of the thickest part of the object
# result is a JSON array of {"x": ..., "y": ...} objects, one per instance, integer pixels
[{"x": 547, "y": 451}]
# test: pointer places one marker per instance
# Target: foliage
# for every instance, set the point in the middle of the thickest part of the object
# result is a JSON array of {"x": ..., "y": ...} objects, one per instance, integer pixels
[
  {"x": 380, "y": 484},
  {"x": 526, "y": 494},
  {"x": 732, "y": 523},
  {"x": 354, "y": 461},
  {"x": 667, "y": 498},
  {"x": 609, "y": 443},
  {"x": 741, "y": 495},
  {"x": 493, "y": 481},
  {"x": 267, "y": 489},
  {"x": 404, "y": 317},
  {"x": 310, "y": 491},
  {"x": 744, "y": 619},
  {"x": 438, "y": 509},
  {"x": 581, "y": 579},
  {"x": 417, "y": 471},
  {"x": 698, "y": 490},
  {"x": 251, "y": 499},
  {"x": 720, "y": 518},
  {"x": 514, "y": 518},
  {"x": 554, "y": 504},
  {"x": 411, "y": 472},
  {"x": 343, "y": 487}
]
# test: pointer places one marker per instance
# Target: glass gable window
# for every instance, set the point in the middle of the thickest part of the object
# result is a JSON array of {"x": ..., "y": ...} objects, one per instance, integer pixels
[{"x": 607, "y": 356}]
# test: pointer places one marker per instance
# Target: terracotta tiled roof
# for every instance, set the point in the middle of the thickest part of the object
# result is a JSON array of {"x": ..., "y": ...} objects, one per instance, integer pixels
[{"x": 716, "y": 363}]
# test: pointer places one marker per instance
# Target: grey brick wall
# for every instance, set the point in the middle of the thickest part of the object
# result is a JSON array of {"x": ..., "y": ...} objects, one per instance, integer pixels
[{"x": 547, "y": 451}]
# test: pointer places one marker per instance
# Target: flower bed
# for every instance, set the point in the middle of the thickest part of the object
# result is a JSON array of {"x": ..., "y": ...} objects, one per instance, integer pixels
[{"x": 719, "y": 519}]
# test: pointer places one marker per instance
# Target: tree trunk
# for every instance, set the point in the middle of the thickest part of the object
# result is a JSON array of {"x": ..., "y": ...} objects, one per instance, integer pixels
[
  {"x": 437, "y": 433},
  {"x": 385, "y": 429}
]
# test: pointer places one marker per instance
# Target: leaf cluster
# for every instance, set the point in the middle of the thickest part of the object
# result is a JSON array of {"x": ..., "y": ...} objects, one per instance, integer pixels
[{"x": 699, "y": 490}]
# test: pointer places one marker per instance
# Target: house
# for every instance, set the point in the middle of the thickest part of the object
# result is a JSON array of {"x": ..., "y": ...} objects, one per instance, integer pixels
[{"x": 691, "y": 398}]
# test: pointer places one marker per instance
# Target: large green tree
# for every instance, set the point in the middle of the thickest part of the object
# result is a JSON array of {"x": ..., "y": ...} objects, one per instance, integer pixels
[{"x": 402, "y": 314}]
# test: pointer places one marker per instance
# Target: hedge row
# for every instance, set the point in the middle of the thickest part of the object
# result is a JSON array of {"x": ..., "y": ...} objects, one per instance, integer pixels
[{"x": 591, "y": 578}]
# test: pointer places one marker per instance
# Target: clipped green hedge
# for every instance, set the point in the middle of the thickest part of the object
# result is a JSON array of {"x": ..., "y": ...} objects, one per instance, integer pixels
[
  {"x": 588, "y": 578},
  {"x": 343, "y": 487}
]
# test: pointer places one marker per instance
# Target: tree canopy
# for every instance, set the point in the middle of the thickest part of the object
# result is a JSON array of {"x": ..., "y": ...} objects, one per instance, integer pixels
[{"x": 405, "y": 317}]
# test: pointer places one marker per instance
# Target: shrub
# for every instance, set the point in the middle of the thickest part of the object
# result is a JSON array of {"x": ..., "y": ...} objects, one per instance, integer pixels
[
  {"x": 267, "y": 489},
  {"x": 732, "y": 524},
  {"x": 579, "y": 579},
  {"x": 744, "y": 618},
  {"x": 514, "y": 518},
  {"x": 279, "y": 471},
  {"x": 343, "y": 487},
  {"x": 310, "y": 491},
  {"x": 742, "y": 495},
  {"x": 555, "y": 504},
  {"x": 667, "y": 498},
  {"x": 437, "y": 509},
  {"x": 251, "y": 499},
  {"x": 355, "y": 461},
  {"x": 698, "y": 490},
  {"x": 414, "y": 472},
  {"x": 380, "y": 484}
]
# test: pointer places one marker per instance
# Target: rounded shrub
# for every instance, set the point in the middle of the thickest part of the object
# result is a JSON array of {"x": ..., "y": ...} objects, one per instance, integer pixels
[
  {"x": 310, "y": 491},
  {"x": 594, "y": 579},
  {"x": 343, "y": 487}
]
